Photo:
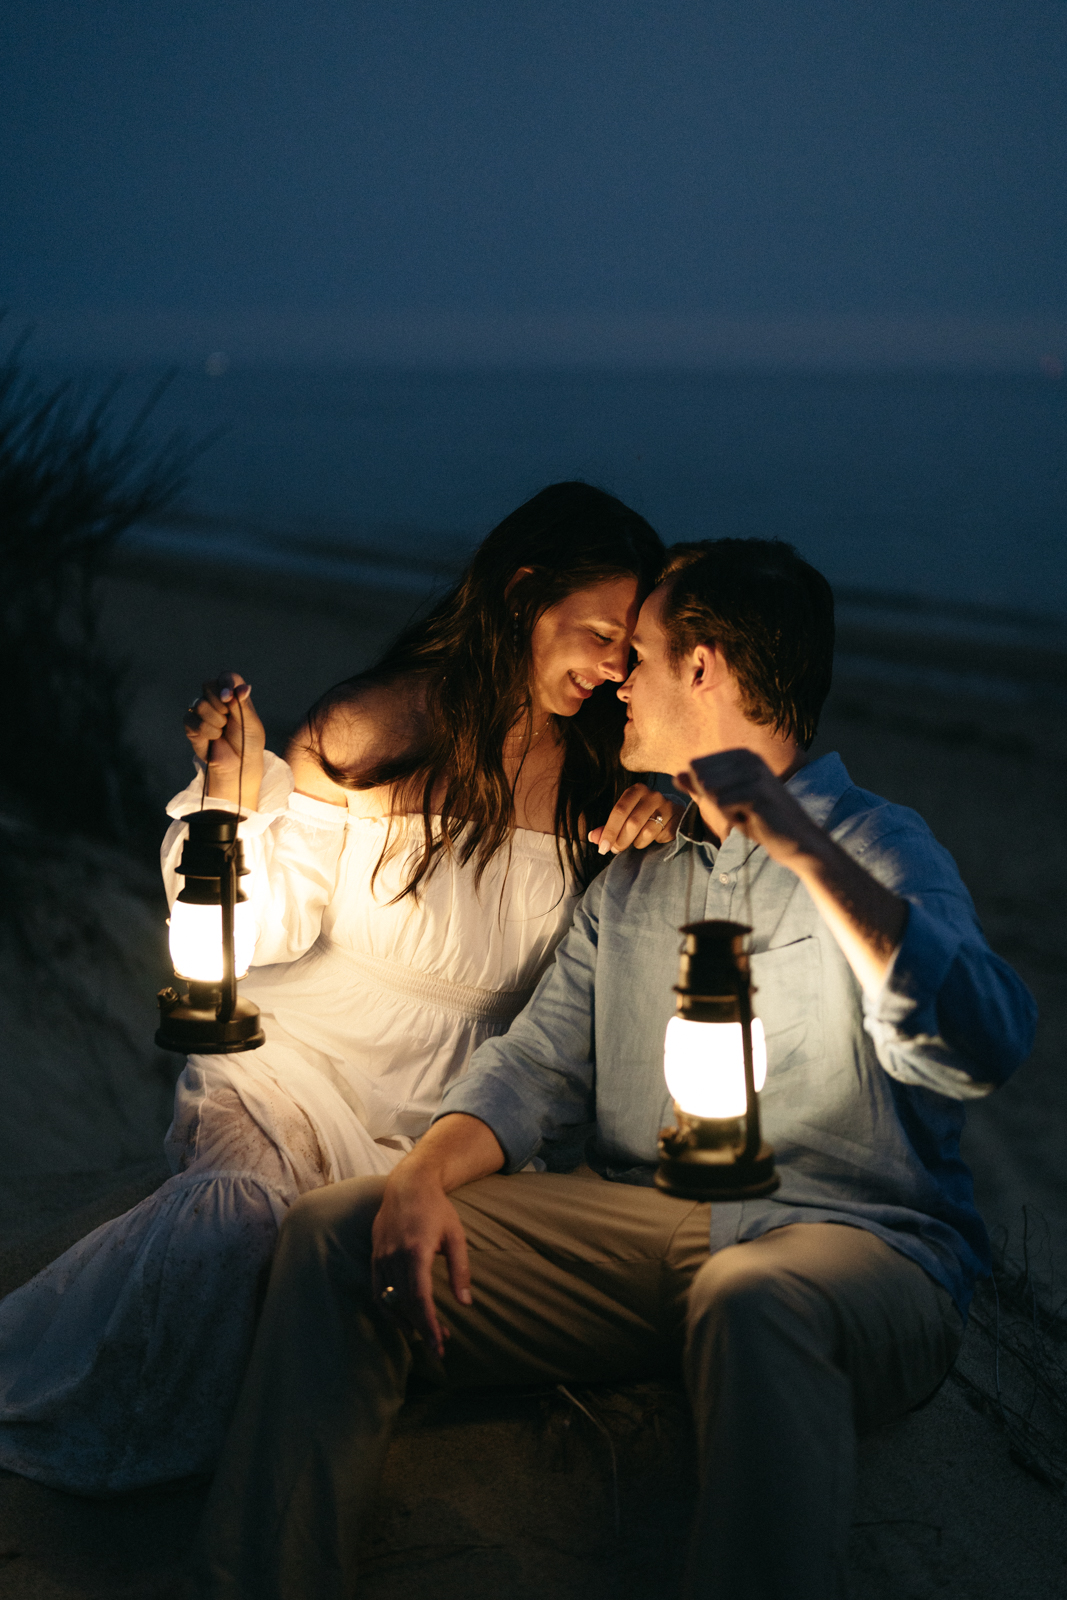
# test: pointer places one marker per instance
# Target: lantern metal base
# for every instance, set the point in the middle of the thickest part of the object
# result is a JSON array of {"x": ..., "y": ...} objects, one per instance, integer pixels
[
  {"x": 712, "y": 1171},
  {"x": 190, "y": 1025}
]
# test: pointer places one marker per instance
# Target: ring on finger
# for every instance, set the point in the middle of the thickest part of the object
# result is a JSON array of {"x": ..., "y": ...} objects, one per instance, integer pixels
[{"x": 657, "y": 818}]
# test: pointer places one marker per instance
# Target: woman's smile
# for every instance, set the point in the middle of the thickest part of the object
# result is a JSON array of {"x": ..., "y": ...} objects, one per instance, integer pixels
[{"x": 585, "y": 686}]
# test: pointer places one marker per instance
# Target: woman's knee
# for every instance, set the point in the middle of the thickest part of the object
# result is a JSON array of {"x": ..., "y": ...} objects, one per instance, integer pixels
[{"x": 341, "y": 1214}]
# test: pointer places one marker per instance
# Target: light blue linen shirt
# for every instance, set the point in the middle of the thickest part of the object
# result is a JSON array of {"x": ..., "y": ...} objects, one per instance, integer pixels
[{"x": 864, "y": 1096}]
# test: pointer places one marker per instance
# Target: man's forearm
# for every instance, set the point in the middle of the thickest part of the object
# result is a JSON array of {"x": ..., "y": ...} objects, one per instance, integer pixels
[
  {"x": 458, "y": 1149},
  {"x": 866, "y": 918},
  {"x": 736, "y": 789}
]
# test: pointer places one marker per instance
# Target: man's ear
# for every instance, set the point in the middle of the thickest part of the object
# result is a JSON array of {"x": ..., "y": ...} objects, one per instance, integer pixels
[{"x": 706, "y": 667}]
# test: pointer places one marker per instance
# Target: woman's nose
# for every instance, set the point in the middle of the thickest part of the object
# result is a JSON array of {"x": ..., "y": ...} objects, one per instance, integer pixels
[{"x": 614, "y": 667}]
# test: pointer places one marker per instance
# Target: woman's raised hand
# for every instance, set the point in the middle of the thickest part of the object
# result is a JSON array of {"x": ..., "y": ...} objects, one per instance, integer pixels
[
  {"x": 215, "y": 725},
  {"x": 640, "y": 816}
]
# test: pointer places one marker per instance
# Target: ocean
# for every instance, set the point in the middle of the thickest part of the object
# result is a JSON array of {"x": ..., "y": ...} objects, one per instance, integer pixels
[{"x": 945, "y": 492}]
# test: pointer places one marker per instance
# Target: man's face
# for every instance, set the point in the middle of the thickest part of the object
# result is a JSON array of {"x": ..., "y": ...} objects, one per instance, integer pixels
[{"x": 662, "y": 721}]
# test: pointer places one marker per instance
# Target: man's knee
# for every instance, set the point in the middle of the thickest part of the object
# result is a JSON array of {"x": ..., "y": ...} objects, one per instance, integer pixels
[{"x": 742, "y": 1292}]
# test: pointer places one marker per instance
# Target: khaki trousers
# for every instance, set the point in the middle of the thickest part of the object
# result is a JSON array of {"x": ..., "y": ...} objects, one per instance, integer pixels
[{"x": 788, "y": 1344}]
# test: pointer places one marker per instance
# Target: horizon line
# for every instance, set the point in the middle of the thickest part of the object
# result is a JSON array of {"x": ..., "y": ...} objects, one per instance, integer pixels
[{"x": 579, "y": 341}]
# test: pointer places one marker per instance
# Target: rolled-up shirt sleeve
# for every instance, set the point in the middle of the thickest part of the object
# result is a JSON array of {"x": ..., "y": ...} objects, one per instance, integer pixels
[
  {"x": 950, "y": 1016},
  {"x": 535, "y": 1085}
]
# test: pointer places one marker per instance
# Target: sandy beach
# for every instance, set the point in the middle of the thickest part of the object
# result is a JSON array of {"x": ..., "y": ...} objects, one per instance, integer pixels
[
  {"x": 985, "y": 771},
  {"x": 517, "y": 1495}
]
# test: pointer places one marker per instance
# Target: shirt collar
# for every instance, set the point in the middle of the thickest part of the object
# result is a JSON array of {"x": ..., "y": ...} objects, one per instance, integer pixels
[{"x": 818, "y": 786}]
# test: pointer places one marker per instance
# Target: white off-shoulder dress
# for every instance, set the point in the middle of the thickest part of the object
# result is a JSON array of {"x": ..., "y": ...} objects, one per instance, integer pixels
[{"x": 120, "y": 1362}]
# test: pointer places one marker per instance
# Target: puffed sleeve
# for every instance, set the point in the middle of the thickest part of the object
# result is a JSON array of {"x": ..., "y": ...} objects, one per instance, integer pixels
[{"x": 292, "y": 848}]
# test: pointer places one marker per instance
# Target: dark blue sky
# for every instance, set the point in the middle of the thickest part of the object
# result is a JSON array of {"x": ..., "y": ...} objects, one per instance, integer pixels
[{"x": 681, "y": 179}]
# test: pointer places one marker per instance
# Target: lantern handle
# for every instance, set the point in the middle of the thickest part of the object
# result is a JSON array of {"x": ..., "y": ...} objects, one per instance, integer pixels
[
  {"x": 228, "y": 886},
  {"x": 753, "y": 1137},
  {"x": 241, "y": 759}
]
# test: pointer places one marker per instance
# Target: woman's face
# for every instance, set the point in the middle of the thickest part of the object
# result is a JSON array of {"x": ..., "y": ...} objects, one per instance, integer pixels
[{"x": 580, "y": 643}]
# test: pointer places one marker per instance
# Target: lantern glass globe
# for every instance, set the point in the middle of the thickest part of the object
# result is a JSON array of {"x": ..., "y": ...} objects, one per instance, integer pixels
[
  {"x": 704, "y": 1064},
  {"x": 196, "y": 940}
]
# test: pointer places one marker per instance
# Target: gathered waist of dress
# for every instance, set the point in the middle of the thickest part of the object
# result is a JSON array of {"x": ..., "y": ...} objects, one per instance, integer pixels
[{"x": 459, "y": 999}]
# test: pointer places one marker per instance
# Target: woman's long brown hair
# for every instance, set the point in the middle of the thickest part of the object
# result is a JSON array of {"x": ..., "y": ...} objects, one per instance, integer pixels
[{"x": 473, "y": 653}]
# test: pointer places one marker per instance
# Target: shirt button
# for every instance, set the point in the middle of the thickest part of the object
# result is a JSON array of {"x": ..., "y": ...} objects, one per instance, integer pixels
[{"x": 724, "y": 877}]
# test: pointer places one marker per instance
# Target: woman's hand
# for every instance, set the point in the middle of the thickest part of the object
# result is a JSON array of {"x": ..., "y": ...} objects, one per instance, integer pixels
[
  {"x": 641, "y": 816},
  {"x": 218, "y": 725}
]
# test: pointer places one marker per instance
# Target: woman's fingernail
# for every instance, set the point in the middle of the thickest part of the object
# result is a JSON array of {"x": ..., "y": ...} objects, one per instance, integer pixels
[
  {"x": 465, "y": 1297},
  {"x": 226, "y": 694}
]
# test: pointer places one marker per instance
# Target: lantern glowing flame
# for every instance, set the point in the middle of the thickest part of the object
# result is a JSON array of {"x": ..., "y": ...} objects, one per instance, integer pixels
[
  {"x": 715, "y": 1064},
  {"x": 704, "y": 1064},
  {"x": 196, "y": 940},
  {"x": 212, "y": 941}
]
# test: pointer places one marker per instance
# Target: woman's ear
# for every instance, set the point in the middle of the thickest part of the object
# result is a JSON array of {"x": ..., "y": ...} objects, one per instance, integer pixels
[{"x": 522, "y": 572}]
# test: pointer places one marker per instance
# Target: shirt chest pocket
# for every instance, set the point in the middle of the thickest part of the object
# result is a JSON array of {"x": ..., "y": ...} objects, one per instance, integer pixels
[{"x": 787, "y": 985}]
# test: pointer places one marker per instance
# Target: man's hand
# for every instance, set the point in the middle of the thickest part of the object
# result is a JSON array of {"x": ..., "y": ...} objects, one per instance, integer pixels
[
  {"x": 417, "y": 1221},
  {"x": 639, "y": 817},
  {"x": 867, "y": 919},
  {"x": 741, "y": 787}
]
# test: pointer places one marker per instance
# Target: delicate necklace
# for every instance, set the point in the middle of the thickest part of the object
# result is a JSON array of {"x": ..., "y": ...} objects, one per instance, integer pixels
[{"x": 537, "y": 736}]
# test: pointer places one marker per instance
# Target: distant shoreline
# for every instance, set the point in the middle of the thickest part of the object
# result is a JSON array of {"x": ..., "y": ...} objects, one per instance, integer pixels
[{"x": 960, "y": 646}]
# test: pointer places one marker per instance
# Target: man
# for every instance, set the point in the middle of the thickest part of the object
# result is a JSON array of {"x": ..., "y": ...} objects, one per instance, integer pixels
[{"x": 835, "y": 1304}]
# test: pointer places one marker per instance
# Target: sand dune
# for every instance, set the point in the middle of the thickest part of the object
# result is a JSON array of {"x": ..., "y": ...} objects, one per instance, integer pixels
[{"x": 515, "y": 1494}]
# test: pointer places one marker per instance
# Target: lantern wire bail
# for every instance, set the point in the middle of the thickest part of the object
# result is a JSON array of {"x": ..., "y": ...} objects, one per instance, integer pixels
[
  {"x": 751, "y": 1173},
  {"x": 753, "y": 1138},
  {"x": 228, "y": 1013},
  {"x": 240, "y": 764},
  {"x": 745, "y": 877},
  {"x": 228, "y": 1003}
]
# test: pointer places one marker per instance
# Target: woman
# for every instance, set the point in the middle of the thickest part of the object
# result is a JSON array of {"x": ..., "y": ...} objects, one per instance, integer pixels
[{"x": 412, "y": 869}]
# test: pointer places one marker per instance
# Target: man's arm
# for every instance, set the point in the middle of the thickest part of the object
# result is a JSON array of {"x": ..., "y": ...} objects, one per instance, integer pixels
[
  {"x": 518, "y": 1089},
  {"x": 944, "y": 1012},
  {"x": 866, "y": 918},
  {"x": 417, "y": 1221}
]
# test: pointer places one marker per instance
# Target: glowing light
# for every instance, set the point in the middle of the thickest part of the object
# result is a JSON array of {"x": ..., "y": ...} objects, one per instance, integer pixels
[
  {"x": 704, "y": 1065},
  {"x": 196, "y": 940}
]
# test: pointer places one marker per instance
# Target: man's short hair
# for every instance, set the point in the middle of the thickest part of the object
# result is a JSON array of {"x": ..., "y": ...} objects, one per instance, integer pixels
[{"x": 771, "y": 615}]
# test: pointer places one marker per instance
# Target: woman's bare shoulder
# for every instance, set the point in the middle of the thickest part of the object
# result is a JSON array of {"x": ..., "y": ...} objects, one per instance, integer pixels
[{"x": 358, "y": 728}]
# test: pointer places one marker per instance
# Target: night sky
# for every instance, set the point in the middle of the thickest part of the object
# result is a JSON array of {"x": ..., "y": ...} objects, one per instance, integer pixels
[{"x": 570, "y": 180}]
